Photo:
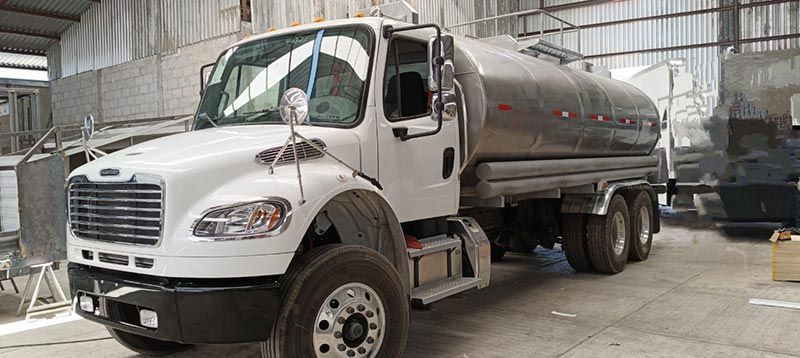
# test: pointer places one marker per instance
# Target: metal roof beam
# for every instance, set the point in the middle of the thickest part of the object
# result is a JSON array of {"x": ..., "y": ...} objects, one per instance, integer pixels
[
  {"x": 4, "y": 6},
  {"x": 22, "y": 67},
  {"x": 8, "y": 30},
  {"x": 22, "y": 51}
]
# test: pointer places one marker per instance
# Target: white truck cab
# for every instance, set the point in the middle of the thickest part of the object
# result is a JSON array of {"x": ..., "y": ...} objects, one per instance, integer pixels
[{"x": 314, "y": 224}]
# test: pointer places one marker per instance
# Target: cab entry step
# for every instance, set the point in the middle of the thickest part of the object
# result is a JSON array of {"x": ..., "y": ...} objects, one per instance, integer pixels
[
  {"x": 434, "y": 244},
  {"x": 442, "y": 289}
]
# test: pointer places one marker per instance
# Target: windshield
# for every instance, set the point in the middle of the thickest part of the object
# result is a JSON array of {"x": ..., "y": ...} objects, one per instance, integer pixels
[{"x": 330, "y": 65}]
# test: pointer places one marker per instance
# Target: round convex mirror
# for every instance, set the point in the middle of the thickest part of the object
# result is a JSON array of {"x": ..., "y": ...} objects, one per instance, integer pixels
[
  {"x": 294, "y": 106},
  {"x": 88, "y": 127}
]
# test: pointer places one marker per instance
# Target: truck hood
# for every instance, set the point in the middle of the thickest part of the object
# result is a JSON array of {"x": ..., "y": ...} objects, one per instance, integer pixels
[{"x": 228, "y": 150}]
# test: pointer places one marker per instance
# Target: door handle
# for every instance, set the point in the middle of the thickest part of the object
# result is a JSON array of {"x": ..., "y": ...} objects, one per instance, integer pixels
[{"x": 448, "y": 162}]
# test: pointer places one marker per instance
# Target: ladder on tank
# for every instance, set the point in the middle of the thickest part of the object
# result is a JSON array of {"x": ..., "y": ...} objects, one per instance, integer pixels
[{"x": 535, "y": 43}]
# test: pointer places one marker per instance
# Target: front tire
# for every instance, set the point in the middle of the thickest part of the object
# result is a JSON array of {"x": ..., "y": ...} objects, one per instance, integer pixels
[
  {"x": 145, "y": 345},
  {"x": 608, "y": 237},
  {"x": 341, "y": 300}
]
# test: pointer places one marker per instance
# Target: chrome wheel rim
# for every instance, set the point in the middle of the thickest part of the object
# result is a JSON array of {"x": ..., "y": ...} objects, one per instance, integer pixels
[
  {"x": 619, "y": 233},
  {"x": 644, "y": 225},
  {"x": 350, "y": 323}
]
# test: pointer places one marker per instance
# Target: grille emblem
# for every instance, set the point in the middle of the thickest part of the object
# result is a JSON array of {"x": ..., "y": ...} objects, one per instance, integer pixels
[{"x": 109, "y": 172}]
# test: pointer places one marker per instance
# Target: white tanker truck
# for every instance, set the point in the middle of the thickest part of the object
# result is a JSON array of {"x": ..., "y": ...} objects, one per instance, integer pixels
[{"x": 341, "y": 171}]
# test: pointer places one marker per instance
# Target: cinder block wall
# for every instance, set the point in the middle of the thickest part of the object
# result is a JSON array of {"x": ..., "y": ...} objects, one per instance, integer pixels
[
  {"x": 74, "y": 97},
  {"x": 156, "y": 86}
]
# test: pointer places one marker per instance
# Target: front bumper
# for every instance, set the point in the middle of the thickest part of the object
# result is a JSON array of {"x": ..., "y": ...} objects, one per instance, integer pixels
[{"x": 189, "y": 310}]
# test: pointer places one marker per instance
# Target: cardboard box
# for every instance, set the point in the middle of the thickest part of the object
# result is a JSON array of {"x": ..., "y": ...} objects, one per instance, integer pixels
[{"x": 786, "y": 258}]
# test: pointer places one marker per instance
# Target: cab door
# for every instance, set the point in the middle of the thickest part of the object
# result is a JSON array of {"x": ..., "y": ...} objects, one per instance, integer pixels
[{"x": 419, "y": 175}]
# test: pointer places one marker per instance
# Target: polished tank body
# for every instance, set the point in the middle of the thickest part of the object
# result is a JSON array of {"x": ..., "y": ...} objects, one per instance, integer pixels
[{"x": 519, "y": 107}]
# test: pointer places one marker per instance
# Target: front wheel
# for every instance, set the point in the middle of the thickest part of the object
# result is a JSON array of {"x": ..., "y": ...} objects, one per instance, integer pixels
[
  {"x": 145, "y": 345},
  {"x": 341, "y": 301}
]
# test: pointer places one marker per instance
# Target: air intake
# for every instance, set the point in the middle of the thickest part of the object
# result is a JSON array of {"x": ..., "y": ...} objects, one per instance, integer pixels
[{"x": 304, "y": 151}]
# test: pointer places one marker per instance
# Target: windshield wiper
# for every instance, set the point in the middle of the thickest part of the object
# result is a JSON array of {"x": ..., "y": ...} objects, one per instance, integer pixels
[
  {"x": 257, "y": 114},
  {"x": 204, "y": 117}
]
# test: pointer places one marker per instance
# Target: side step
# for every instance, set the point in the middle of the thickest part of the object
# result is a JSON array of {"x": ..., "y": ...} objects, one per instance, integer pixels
[
  {"x": 442, "y": 289},
  {"x": 433, "y": 245}
]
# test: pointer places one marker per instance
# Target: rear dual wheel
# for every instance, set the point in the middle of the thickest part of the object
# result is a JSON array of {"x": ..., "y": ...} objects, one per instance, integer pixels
[
  {"x": 608, "y": 237},
  {"x": 603, "y": 243},
  {"x": 641, "y": 215}
]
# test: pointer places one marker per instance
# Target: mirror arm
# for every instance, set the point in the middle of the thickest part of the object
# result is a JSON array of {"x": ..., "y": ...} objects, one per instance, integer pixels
[
  {"x": 202, "y": 78},
  {"x": 438, "y": 106}
]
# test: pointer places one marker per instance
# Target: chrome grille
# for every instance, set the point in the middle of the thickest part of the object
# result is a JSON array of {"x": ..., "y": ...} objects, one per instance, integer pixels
[
  {"x": 129, "y": 212},
  {"x": 304, "y": 151}
]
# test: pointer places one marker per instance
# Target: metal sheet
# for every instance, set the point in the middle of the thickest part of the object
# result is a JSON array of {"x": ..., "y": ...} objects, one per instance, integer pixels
[
  {"x": 42, "y": 204},
  {"x": 115, "y": 32}
]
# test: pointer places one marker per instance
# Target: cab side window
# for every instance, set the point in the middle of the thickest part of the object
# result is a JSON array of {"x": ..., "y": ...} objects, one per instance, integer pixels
[{"x": 405, "y": 87}]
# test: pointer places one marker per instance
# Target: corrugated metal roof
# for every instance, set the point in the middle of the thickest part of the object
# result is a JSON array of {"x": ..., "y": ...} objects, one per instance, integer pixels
[
  {"x": 66, "y": 7},
  {"x": 13, "y": 60},
  {"x": 22, "y": 30},
  {"x": 20, "y": 43}
]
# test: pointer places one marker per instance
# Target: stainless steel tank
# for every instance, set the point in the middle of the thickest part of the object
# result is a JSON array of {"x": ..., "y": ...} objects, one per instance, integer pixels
[{"x": 519, "y": 107}]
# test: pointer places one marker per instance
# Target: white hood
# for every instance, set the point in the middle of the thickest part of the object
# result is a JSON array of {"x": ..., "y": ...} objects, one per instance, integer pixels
[{"x": 209, "y": 152}]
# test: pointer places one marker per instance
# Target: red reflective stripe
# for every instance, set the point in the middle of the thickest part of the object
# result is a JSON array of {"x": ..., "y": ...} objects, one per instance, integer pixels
[
  {"x": 606, "y": 119},
  {"x": 557, "y": 113},
  {"x": 623, "y": 121},
  {"x": 573, "y": 115},
  {"x": 504, "y": 107},
  {"x": 594, "y": 116}
]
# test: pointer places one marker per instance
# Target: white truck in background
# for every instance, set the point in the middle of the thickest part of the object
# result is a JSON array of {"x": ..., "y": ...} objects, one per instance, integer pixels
[
  {"x": 746, "y": 155},
  {"x": 338, "y": 172}
]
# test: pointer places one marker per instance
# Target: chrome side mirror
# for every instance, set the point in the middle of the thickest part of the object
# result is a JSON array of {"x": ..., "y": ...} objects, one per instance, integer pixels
[
  {"x": 294, "y": 106},
  {"x": 87, "y": 131},
  {"x": 450, "y": 107},
  {"x": 440, "y": 60}
]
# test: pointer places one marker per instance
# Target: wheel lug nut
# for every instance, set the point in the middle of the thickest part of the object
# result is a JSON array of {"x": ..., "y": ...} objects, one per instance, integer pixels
[
  {"x": 362, "y": 350},
  {"x": 351, "y": 353},
  {"x": 370, "y": 340},
  {"x": 373, "y": 326},
  {"x": 370, "y": 314},
  {"x": 341, "y": 347},
  {"x": 360, "y": 308},
  {"x": 337, "y": 334},
  {"x": 342, "y": 320},
  {"x": 350, "y": 310}
]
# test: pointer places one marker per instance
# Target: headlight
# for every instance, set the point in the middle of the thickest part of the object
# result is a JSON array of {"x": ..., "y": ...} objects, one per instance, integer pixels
[{"x": 243, "y": 221}]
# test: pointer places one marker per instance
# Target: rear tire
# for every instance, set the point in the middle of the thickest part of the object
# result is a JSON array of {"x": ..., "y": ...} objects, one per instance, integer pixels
[
  {"x": 573, "y": 231},
  {"x": 608, "y": 237},
  {"x": 146, "y": 345},
  {"x": 499, "y": 246},
  {"x": 341, "y": 299},
  {"x": 641, "y": 215}
]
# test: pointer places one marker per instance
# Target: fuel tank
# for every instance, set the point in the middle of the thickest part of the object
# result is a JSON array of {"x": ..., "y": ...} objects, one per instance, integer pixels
[{"x": 519, "y": 107}]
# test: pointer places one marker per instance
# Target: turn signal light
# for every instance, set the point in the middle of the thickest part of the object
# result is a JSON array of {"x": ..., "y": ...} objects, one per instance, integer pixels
[
  {"x": 319, "y": 19},
  {"x": 295, "y": 23}
]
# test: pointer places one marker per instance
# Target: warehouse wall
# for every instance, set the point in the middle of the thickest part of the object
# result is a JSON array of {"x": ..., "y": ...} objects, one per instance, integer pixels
[
  {"x": 74, "y": 97},
  {"x": 166, "y": 41},
  {"x": 155, "y": 86}
]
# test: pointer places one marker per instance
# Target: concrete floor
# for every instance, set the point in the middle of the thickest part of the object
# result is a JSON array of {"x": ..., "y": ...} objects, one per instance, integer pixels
[{"x": 689, "y": 299}]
